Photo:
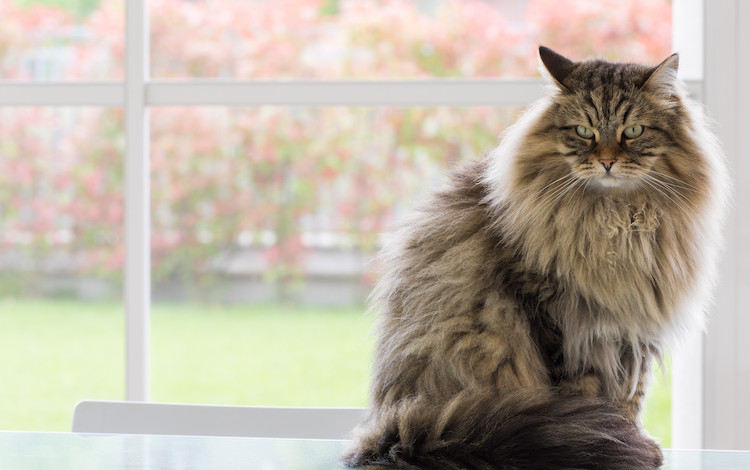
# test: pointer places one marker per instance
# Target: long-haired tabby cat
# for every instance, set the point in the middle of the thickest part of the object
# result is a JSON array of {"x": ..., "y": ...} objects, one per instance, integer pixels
[{"x": 522, "y": 306}]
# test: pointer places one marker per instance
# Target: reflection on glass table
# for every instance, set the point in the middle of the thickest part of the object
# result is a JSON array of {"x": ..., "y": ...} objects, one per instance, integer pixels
[{"x": 62, "y": 451}]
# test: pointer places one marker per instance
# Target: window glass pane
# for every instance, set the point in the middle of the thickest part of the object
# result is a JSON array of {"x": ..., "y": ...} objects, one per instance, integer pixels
[
  {"x": 264, "y": 225},
  {"x": 61, "y": 39},
  {"x": 328, "y": 39},
  {"x": 61, "y": 256}
]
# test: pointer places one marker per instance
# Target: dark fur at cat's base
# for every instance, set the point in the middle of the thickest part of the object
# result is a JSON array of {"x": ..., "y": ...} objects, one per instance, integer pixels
[{"x": 521, "y": 307}]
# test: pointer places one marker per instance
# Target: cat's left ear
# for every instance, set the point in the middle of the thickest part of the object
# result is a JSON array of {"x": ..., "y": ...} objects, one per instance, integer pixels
[{"x": 663, "y": 78}]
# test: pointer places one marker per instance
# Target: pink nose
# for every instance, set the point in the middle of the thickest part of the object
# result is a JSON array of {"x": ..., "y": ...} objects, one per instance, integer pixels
[{"x": 607, "y": 164}]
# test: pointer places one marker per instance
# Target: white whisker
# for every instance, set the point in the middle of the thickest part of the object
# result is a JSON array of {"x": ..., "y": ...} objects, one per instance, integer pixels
[
  {"x": 665, "y": 191},
  {"x": 562, "y": 188},
  {"x": 678, "y": 182},
  {"x": 558, "y": 179},
  {"x": 668, "y": 187},
  {"x": 573, "y": 184}
]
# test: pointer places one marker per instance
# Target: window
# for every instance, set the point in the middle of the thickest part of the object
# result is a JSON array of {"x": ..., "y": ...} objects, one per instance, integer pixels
[{"x": 250, "y": 129}]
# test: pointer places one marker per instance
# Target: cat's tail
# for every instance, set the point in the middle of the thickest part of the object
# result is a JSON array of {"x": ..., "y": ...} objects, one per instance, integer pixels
[{"x": 539, "y": 430}]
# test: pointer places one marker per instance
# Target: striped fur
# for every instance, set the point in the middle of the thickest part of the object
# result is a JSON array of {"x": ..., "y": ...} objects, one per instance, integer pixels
[{"x": 522, "y": 305}]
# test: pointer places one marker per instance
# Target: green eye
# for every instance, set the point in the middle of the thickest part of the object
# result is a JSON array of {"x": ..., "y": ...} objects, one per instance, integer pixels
[
  {"x": 633, "y": 131},
  {"x": 584, "y": 132}
]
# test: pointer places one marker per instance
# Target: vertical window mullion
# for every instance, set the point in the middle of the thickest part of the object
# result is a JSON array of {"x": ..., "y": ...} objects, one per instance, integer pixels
[
  {"x": 137, "y": 203},
  {"x": 687, "y": 358}
]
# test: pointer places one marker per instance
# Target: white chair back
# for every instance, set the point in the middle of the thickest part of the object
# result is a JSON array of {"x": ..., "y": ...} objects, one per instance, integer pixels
[{"x": 120, "y": 417}]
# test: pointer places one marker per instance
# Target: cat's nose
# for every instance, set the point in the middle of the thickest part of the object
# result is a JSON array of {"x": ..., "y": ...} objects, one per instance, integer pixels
[{"x": 607, "y": 164}]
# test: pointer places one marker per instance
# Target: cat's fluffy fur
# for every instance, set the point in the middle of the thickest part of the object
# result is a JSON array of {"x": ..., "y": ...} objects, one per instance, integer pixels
[{"x": 522, "y": 306}]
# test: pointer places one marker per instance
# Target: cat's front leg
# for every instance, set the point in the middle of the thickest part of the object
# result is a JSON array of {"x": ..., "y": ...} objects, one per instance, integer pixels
[{"x": 632, "y": 406}]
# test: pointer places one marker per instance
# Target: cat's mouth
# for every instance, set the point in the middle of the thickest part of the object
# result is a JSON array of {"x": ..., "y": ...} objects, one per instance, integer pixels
[
  {"x": 613, "y": 180},
  {"x": 608, "y": 180}
]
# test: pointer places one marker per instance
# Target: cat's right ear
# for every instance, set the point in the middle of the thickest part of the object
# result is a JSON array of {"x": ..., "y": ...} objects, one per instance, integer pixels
[{"x": 555, "y": 67}]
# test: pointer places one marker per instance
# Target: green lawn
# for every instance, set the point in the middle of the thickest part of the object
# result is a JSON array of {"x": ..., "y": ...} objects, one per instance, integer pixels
[
  {"x": 54, "y": 353},
  {"x": 271, "y": 355}
]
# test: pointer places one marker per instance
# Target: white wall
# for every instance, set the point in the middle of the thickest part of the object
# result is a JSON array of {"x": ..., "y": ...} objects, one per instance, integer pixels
[{"x": 726, "y": 363}]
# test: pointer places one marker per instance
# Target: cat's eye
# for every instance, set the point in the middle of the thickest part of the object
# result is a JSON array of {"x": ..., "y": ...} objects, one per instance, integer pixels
[
  {"x": 633, "y": 131},
  {"x": 584, "y": 132}
]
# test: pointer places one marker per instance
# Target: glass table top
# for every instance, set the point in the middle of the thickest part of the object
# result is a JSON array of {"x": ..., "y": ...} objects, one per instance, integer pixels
[{"x": 63, "y": 451}]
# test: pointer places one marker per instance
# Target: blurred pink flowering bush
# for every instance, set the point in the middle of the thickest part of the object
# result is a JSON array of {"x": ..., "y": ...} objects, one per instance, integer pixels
[
  {"x": 268, "y": 177},
  {"x": 636, "y": 31},
  {"x": 61, "y": 201},
  {"x": 39, "y": 42},
  {"x": 312, "y": 39}
]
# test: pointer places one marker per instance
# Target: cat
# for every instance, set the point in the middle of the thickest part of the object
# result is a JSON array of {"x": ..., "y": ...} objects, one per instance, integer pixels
[{"x": 523, "y": 304}]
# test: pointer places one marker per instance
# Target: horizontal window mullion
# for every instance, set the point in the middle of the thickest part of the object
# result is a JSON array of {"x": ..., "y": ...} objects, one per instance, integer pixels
[
  {"x": 108, "y": 94},
  {"x": 437, "y": 92}
]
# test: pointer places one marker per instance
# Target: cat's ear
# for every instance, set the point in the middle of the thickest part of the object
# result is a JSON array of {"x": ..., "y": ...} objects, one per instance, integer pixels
[
  {"x": 663, "y": 78},
  {"x": 555, "y": 67}
]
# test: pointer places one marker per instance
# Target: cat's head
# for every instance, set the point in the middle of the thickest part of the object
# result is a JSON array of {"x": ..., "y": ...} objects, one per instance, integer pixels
[{"x": 618, "y": 127}]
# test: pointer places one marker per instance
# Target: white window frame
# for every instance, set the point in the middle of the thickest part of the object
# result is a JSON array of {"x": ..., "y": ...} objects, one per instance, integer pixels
[{"x": 711, "y": 376}]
